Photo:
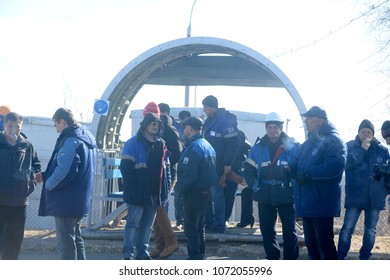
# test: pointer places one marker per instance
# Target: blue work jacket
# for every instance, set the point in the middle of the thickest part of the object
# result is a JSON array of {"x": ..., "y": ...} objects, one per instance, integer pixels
[
  {"x": 220, "y": 130},
  {"x": 361, "y": 190},
  {"x": 322, "y": 159},
  {"x": 196, "y": 168},
  {"x": 145, "y": 171},
  {"x": 68, "y": 178},
  {"x": 269, "y": 177}
]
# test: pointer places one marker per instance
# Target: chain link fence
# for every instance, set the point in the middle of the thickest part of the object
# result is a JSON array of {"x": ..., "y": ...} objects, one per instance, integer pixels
[
  {"x": 36, "y": 222},
  {"x": 102, "y": 208}
]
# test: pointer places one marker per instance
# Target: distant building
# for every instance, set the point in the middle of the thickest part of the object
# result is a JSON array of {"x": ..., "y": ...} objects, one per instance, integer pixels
[{"x": 252, "y": 124}]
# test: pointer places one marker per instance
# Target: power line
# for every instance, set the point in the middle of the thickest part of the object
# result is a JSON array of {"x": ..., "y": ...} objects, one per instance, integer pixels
[{"x": 366, "y": 13}]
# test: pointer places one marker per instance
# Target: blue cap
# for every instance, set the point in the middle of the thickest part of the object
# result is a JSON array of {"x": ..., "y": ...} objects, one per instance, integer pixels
[{"x": 315, "y": 112}]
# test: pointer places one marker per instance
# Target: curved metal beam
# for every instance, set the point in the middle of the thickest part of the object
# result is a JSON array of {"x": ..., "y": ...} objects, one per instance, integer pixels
[{"x": 149, "y": 68}]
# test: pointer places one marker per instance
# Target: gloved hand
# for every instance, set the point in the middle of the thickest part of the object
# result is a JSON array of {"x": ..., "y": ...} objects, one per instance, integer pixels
[
  {"x": 302, "y": 178},
  {"x": 376, "y": 170}
]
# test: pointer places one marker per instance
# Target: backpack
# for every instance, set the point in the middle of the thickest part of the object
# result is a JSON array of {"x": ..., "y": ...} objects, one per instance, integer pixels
[
  {"x": 243, "y": 151},
  {"x": 172, "y": 140}
]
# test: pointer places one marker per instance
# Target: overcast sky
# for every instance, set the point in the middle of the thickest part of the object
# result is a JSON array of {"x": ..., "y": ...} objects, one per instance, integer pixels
[{"x": 65, "y": 53}]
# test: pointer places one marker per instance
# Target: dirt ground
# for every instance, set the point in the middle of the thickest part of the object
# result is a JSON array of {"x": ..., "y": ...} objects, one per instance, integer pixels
[
  {"x": 45, "y": 240},
  {"x": 381, "y": 249}
]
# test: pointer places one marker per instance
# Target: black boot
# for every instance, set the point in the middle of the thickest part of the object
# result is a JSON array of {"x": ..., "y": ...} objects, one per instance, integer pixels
[{"x": 246, "y": 208}]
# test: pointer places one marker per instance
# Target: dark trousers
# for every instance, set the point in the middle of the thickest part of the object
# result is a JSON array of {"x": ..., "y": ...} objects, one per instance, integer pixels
[
  {"x": 246, "y": 207},
  {"x": 178, "y": 202},
  {"x": 319, "y": 238},
  {"x": 230, "y": 193},
  {"x": 12, "y": 221},
  {"x": 195, "y": 204},
  {"x": 268, "y": 216},
  {"x": 2, "y": 241}
]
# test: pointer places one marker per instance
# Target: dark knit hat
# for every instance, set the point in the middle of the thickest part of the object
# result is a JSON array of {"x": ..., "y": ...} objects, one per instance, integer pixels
[
  {"x": 210, "y": 101},
  {"x": 385, "y": 129},
  {"x": 367, "y": 124},
  {"x": 315, "y": 111},
  {"x": 149, "y": 118},
  {"x": 151, "y": 108},
  {"x": 194, "y": 122},
  {"x": 164, "y": 107}
]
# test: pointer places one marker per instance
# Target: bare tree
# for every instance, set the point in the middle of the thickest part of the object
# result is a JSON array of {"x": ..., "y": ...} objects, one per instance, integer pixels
[{"x": 378, "y": 19}]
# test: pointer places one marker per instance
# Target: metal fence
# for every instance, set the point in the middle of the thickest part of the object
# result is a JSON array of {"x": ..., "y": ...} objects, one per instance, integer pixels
[{"x": 35, "y": 222}]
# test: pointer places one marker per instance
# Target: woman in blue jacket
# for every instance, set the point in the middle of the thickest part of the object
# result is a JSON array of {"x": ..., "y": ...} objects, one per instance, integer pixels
[{"x": 362, "y": 192}]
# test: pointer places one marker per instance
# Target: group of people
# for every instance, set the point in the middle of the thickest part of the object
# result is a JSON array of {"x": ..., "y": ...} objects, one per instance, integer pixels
[
  {"x": 286, "y": 178},
  {"x": 152, "y": 166},
  {"x": 201, "y": 160},
  {"x": 291, "y": 180},
  {"x": 66, "y": 188}
]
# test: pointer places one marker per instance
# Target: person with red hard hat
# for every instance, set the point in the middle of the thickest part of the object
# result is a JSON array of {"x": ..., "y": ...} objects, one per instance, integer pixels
[{"x": 4, "y": 110}]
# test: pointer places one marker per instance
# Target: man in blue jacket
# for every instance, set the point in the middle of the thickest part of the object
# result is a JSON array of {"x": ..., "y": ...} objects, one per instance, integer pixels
[
  {"x": 196, "y": 174},
  {"x": 146, "y": 185},
  {"x": 319, "y": 168},
  {"x": 362, "y": 191},
  {"x": 220, "y": 130},
  {"x": 67, "y": 183},
  {"x": 267, "y": 173}
]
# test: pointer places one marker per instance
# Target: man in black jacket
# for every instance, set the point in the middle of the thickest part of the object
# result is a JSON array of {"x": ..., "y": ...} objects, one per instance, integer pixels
[
  {"x": 164, "y": 236},
  {"x": 146, "y": 181},
  {"x": 18, "y": 163}
]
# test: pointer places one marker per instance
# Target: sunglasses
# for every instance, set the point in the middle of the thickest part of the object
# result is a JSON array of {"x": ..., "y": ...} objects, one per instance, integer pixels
[{"x": 154, "y": 124}]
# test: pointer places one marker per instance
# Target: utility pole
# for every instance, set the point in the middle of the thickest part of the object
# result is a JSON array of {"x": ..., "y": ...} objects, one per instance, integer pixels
[{"x": 187, "y": 87}]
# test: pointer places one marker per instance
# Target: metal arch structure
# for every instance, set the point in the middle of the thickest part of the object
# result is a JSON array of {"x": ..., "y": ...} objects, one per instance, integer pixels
[{"x": 192, "y": 61}]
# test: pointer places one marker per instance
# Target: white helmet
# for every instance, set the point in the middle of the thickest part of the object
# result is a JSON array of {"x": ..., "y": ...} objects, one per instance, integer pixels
[{"x": 273, "y": 117}]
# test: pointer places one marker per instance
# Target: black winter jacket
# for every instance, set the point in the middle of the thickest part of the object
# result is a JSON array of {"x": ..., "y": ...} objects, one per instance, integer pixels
[{"x": 18, "y": 163}]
